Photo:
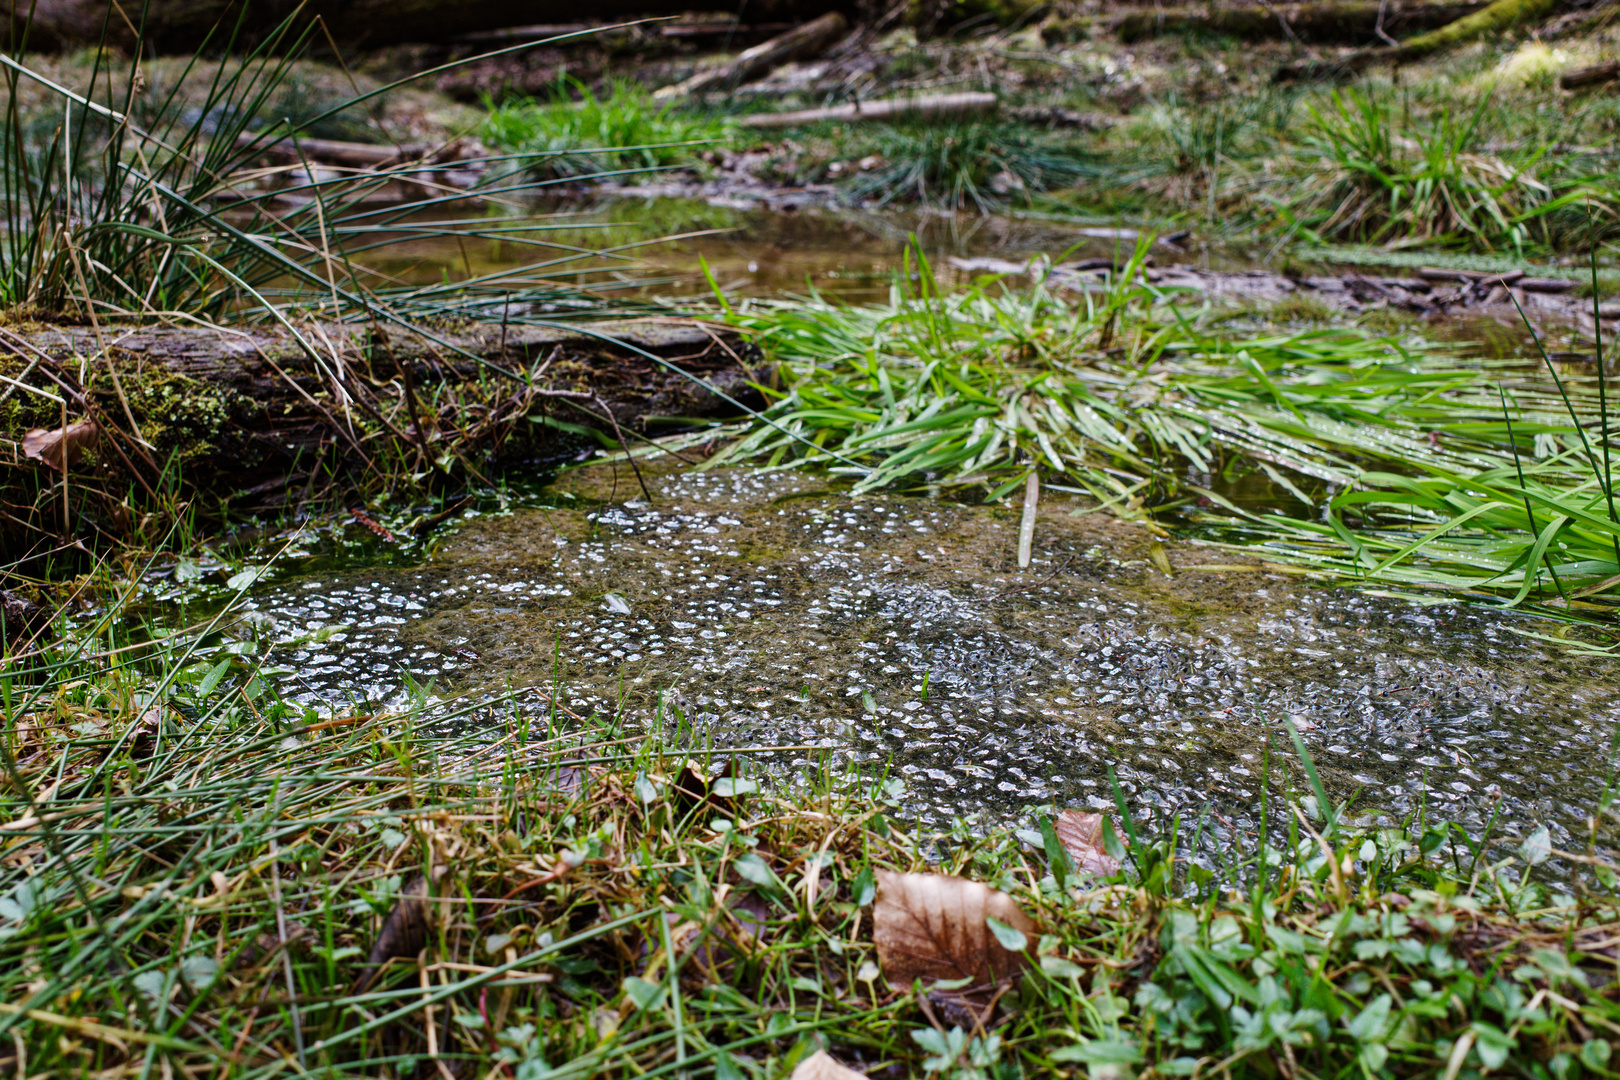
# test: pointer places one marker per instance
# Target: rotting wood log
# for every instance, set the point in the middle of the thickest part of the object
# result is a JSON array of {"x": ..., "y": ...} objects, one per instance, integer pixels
[
  {"x": 936, "y": 18},
  {"x": 933, "y": 106},
  {"x": 800, "y": 43},
  {"x": 1342, "y": 22},
  {"x": 590, "y": 33},
  {"x": 1595, "y": 75},
  {"x": 1495, "y": 18},
  {"x": 177, "y": 26},
  {"x": 251, "y": 412}
]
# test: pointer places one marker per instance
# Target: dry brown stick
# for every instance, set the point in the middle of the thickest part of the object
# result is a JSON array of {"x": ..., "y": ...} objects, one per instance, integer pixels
[
  {"x": 143, "y": 447},
  {"x": 802, "y": 41},
  {"x": 607, "y": 411},
  {"x": 379, "y": 337},
  {"x": 934, "y": 105}
]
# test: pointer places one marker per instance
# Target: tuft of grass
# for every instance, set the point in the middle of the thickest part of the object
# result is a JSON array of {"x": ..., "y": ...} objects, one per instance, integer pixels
[
  {"x": 1372, "y": 178},
  {"x": 622, "y": 131},
  {"x": 1544, "y": 528},
  {"x": 960, "y": 165}
]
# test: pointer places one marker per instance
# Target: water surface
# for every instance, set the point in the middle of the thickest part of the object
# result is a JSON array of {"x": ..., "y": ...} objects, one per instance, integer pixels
[{"x": 769, "y": 608}]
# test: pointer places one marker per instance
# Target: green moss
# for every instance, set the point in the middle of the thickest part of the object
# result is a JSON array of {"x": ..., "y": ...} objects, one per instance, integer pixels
[{"x": 180, "y": 417}]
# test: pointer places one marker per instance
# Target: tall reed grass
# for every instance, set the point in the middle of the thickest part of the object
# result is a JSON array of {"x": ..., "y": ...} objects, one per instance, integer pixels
[{"x": 143, "y": 199}]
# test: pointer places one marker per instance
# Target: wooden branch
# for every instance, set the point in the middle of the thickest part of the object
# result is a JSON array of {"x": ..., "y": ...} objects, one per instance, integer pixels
[
  {"x": 801, "y": 42},
  {"x": 1590, "y": 76},
  {"x": 596, "y": 35},
  {"x": 364, "y": 155},
  {"x": 939, "y": 105}
]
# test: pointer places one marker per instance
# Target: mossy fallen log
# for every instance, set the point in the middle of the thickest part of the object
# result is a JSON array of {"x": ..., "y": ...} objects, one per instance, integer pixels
[
  {"x": 1495, "y": 18},
  {"x": 257, "y": 419},
  {"x": 1343, "y": 22}
]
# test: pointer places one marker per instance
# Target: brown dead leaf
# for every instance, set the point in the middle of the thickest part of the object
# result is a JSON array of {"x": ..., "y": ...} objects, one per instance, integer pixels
[
  {"x": 692, "y": 788},
  {"x": 268, "y": 946},
  {"x": 822, "y": 1066},
  {"x": 1082, "y": 837},
  {"x": 403, "y": 933},
  {"x": 51, "y": 445},
  {"x": 932, "y": 927},
  {"x": 143, "y": 733}
]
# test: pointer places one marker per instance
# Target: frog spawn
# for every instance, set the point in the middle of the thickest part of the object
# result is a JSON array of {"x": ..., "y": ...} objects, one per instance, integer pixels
[{"x": 751, "y": 609}]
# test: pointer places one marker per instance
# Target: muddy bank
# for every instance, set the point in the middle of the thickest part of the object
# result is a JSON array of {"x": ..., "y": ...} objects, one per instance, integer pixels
[
  {"x": 754, "y": 608},
  {"x": 262, "y": 418}
]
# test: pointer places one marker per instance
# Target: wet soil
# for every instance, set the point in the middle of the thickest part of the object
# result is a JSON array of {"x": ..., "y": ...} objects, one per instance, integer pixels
[{"x": 757, "y": 609}]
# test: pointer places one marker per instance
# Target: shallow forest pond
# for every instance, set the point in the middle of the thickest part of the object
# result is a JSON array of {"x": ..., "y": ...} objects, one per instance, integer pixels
[{"x": 754, "y": 609}]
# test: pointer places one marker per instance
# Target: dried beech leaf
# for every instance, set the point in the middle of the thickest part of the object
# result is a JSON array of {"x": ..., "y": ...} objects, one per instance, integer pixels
[
  {"x": 932, "y": 927},
  {"x": 692, "y": 788},
  {"x": 822, "y": 1066},
  {"x": 51, "y": 444},
  {"x": 403, "y": 933},
  {"x": 1082, "y": 837}
]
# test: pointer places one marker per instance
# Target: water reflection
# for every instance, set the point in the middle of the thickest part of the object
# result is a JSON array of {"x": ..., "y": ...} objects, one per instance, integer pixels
[{"x": 846, "y": 253}]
